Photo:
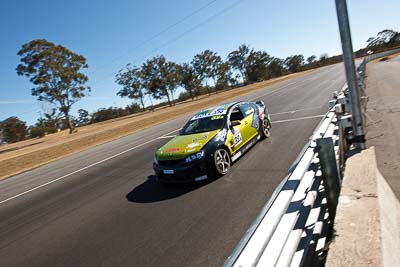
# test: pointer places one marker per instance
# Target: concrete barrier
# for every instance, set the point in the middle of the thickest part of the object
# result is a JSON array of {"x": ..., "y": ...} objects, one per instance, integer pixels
[
  {"x": 390, "y": 222},
  {"x": 367, "y": 224},
  {"x": 357, "y": 233}
]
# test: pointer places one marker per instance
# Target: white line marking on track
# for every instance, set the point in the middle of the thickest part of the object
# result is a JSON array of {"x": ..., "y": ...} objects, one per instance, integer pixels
[
  {"x": 87, "y": 167},
  {"x": 294, "y": 111},
  {"x": 166, "y": 136},
  {"x": 302, "y": 118}
]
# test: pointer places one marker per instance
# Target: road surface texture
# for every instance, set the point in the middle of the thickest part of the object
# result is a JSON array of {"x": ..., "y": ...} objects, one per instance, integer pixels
[
  {"x": 104, "y": 207},
  {"x": 383, "y": 118}
]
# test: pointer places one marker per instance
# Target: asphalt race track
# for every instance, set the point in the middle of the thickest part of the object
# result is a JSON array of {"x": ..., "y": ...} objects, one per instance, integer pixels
[{"x": 104, "y": 207}]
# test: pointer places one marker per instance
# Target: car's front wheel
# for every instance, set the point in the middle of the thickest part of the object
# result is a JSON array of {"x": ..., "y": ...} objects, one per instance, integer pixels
[{"x": 222, "y": 161}]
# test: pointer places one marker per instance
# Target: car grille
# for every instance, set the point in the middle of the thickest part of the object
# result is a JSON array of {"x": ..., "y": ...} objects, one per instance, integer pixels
[{"x": 167, "y": 163}]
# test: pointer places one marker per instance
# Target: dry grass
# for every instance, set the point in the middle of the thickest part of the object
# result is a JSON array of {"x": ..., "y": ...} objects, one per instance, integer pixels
[{"x": 22, "y": 156}]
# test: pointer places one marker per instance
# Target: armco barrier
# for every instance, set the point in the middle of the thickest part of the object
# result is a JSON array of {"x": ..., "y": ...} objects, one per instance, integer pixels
[
  {"x": 381, "y": 54},
  {"x": 362, "y": 67},
  {"x": 292, "y": 227}
]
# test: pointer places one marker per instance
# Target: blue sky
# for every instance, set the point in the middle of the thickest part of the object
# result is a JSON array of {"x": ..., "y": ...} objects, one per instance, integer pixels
[{"x": 111, "y": 34}]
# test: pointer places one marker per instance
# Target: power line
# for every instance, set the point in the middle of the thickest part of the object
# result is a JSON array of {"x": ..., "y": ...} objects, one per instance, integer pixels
[
  {"x": 221, "y": 12},
  {"x": 166, "y": 29},
  {"x": 226, "y": 9}
]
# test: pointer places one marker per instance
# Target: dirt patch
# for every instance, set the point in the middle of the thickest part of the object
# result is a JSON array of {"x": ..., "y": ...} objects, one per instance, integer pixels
[{"x": 22, "y": 156}]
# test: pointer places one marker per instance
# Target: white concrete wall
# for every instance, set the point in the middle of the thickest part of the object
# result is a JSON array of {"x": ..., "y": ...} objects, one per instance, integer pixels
[{"x": 390, "y": 222}]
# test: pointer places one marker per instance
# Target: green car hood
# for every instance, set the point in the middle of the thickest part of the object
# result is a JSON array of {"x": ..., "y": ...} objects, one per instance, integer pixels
[{"x": 183, "y": 145}]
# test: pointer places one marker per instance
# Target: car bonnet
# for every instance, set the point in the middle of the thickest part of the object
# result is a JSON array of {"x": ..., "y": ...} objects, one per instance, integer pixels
[{"x": 183, "y": 145}]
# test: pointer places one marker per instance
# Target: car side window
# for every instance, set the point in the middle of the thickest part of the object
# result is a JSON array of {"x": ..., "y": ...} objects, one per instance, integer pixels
[
  {"x": 247, "y": 109},
  {"x": 236, "y": 114}
]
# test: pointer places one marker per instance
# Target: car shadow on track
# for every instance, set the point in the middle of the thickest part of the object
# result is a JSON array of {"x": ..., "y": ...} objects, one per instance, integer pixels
[{"x": 153, "y": 191}]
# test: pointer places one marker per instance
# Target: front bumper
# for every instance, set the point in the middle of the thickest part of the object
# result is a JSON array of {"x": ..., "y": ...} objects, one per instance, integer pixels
[{"x": 182, "y": 173}]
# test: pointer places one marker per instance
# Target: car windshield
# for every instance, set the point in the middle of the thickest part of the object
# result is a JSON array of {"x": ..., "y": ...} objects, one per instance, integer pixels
[{"x": 205, "y": 124}]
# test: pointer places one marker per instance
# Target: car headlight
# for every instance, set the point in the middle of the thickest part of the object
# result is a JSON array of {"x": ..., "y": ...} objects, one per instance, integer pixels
[
  {"x": 155, "y": 160},
  {"x": 195, "y": 156}
]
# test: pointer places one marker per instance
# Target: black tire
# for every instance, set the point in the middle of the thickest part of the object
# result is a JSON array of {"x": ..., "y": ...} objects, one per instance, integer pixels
[
  {"x": 222, "y": 162},
  {"x": 265, "y": 128}
]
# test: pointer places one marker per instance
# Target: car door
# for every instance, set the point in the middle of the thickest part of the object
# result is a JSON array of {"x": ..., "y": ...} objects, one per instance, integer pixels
[
  {"x": 236, "y": 129},
  {"x": 250, "y": 121}
]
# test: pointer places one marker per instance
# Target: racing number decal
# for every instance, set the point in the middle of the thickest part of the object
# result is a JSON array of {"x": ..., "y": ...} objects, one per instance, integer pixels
[{"x": 237, "y": 136}]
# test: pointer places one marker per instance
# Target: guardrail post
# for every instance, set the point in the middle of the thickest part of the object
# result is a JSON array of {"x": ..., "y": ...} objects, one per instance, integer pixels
[
  {"x": 348, "y": 58},
  {"x": 330, "y": 173}
]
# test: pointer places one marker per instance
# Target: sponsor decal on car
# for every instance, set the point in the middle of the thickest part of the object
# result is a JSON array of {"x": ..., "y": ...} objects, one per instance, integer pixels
[
  {"x": 217, "y": 117},
  {"x": 200, "y": 138},
  {"x": 255, "y": 122},
  {"x": 221, "y": 135},
  {"x": 236, "y": 156},
  {"x": 249, "y": 111},
  {"x": 193, "y": 145},
  {"x": 173, "y": 150},
  {"x": 260, "y": 113},
  {"x": 198, "y": 155},
  {"x": 237, "y": 136},
  {"x": 203, "y": 177},
  {"x": 210, "y": 113}
]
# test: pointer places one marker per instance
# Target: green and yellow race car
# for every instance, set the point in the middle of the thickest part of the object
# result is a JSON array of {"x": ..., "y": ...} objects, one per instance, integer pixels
[{"x": 211, "y": 140}]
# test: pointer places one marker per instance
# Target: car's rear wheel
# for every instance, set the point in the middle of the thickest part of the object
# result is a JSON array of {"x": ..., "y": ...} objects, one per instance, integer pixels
[
  {"x": 266, "y": 128},
  {"x": 222, "y": 161}
]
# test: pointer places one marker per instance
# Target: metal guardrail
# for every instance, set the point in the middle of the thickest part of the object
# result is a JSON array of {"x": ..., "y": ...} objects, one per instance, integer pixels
[
  {"x": 362, "y": 67},
  {"x": 379, "y": 55},
  {"x": 294, "y": 223},
  {"x": 292, "y": 228}
]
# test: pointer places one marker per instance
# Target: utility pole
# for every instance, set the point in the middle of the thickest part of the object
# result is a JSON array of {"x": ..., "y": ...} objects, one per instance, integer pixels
[{"x": 348, "y": 59}]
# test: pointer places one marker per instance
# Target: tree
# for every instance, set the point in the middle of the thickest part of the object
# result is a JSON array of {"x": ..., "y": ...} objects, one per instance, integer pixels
[
  {"x": 56, "y": 73},
  {"x": 385, "y": 38},
  {"x": 311, "y": 59},
  {"x": 133, "y": 108},
  {"x": 83, "y": 117},
  {"x": 206, "y": 65},
  {"x": 172, "y": 78},
  {"x": 223, "y": 76},
  {"x": 47, "y": 123},
  {"x": 37, "y": 131},
  {"x": 238, "y": 60},
  {"x": 294, "y": 63},
  {"x": 189, "y": 79},
  {"x": 158, "y": 79},
  {"x": 257, "y": 66},
  {"x": 104, "y": 114},
  {"x": 52, "y": 120},
  {"x": 323, "y": 57},
  {"x": 132, "y": 84},
  {"x": 276, "y": 68},
  {"x": 13, "y": 130}
]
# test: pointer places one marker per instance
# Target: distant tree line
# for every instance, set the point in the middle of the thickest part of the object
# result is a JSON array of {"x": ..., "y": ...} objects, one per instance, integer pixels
[
  {"x": 208, "y": 73},
  {"x": 56, "y": 74}
]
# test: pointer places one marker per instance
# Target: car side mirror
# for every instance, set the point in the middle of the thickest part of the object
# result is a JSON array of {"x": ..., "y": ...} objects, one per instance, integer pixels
[{"x": 235, "y": 123}]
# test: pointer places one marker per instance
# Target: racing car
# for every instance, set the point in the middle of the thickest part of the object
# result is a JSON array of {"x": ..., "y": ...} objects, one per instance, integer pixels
[{"x": 211, "y": 141}]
